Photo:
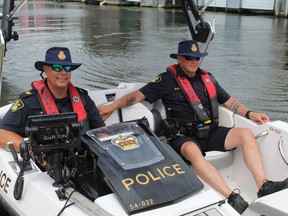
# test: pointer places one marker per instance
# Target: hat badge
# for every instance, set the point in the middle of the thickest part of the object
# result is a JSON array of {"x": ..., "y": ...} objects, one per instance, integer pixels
[
  {"x": 61, "y": 55},
  {"x": 194, "y": 48}
]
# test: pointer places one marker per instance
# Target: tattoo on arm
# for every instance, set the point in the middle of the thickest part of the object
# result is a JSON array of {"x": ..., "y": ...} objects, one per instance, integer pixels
[
  {"x": 130, "y": 101},
  {"x": 234, "y": 107}
]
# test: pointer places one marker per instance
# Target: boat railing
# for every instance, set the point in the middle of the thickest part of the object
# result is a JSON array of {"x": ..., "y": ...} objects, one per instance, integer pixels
[
  {"x": 8, "y": 13},
  {"x": 2, "y": 53}
]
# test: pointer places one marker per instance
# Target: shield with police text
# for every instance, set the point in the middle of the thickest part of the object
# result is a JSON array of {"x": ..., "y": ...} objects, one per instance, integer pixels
[{"x": 144, "y": 172}]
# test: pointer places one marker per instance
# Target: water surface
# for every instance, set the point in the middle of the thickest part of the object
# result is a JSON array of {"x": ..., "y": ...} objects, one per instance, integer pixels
[{"x": 132, "y": 44}]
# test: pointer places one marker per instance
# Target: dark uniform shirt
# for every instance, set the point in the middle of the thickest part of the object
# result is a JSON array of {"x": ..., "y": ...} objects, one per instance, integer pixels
[
  {"x": 165, "y": 87},
  {"x": 28, "y": 104}
]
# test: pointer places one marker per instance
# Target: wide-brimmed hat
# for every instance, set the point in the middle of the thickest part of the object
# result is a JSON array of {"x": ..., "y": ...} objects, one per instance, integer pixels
[
  {"x": 189, "y": 48},
  {"x": 57, "y": 55}
]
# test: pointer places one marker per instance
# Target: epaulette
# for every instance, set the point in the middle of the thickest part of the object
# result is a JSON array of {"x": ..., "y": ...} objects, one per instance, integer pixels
[
  {"x": 82, "y": 90},
  {"x": 204, "y": 71},
  {"x": 27, "y": 93}
]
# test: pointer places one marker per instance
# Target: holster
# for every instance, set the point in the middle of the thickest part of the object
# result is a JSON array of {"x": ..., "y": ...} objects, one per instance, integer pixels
[{"x": 170, "y": 128}]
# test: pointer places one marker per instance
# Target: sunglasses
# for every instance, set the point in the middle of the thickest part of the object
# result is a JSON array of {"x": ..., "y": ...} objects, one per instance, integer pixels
[
  {"x": 58, "y": 68},
  {"x": 190, "y": 58}
]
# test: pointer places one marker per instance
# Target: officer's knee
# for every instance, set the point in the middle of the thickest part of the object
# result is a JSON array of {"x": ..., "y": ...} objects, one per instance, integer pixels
[
  {"x": 191, "y": 151},
  {"x": 247, "y": 135}
]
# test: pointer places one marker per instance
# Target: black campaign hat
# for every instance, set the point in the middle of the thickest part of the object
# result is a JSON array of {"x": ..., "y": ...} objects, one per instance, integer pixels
[
  {"x": 57, "y": 55},
  {"x": 189, "y": 48}
]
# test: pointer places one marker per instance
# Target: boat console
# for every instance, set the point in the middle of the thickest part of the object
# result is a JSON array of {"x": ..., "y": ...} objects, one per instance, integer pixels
[
  {"x": 48, "y": 133},
  {"x": 52, "y": 138}
]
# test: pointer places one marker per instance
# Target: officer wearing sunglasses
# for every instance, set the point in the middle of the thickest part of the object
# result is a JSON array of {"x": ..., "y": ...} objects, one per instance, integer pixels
[
  {"x": 54, "y": 93},
  {"x": 191, "y": 97}
]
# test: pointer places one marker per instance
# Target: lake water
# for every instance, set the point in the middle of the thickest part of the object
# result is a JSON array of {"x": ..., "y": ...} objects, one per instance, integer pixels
[{"x": 248, "y": 55}]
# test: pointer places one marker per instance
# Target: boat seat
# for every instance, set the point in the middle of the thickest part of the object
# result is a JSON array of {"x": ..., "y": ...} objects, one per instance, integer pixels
[
  {"x": 4, "y": 110},
  {"x": 99, "y": 99},
  {"x": 220, "y": 160},
  {"x": 138, "y": 111},
  {"x": 226, "y": 117},
  {"x": 156, "y": 112},
  {"x": 159, "y": 113}
]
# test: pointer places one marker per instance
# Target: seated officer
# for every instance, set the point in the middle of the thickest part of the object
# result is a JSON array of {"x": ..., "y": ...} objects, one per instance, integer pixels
[
  {"x": 192, "y": 96},
  {"x": 50, "y": 95}
]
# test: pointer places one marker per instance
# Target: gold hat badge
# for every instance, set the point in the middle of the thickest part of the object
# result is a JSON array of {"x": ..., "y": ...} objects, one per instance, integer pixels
[
  {"x": 61, "y": 55},
  {"x": 194, "y": 48}
]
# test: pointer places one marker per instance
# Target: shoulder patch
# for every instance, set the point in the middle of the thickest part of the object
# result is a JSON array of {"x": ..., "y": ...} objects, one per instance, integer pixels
[
  {"x": 17, "y": 105},
  {"x": 157, "y": 79}
]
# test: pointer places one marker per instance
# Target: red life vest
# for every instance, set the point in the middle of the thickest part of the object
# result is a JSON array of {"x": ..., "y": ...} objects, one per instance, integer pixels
[
  {"x": 49, "y": 105},
  {"x": 192, "y": 97}
]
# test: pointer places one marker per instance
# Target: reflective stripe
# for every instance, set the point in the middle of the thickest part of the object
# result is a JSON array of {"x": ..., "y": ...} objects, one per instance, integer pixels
[
  {"x": 192, "y": 97},
  {"x": 49, "y": 105}
]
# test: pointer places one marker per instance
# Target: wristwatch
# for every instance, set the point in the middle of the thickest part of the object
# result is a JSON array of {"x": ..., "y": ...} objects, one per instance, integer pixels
[{"x": 248, "y": 113}]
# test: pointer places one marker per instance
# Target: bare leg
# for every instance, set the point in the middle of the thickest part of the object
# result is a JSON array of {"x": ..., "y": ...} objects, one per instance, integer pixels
[
  {"x": 251, "y": 153},
  {"x": 206, "y": 171}
]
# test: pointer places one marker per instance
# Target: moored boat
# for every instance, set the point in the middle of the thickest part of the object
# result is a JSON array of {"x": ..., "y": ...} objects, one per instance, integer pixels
[{"x": 130, "y": 181}]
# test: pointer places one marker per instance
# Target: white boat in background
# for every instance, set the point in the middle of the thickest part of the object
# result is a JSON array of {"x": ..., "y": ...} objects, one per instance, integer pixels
[
  {"x": 96, "y": 2},
  {"x": 139, "y": 173},
  {"x": 130, "y": 2},
  {"x": 257, "y": 6}
]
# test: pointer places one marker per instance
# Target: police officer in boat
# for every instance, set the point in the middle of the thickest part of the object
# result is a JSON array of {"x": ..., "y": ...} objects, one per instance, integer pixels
[
  {"x": 53, "y": 94},
  {"x": 191, "y": 97}
]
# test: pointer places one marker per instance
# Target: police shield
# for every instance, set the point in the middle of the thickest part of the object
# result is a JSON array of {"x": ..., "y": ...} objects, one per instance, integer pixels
[{"x": 142, "y": 171}]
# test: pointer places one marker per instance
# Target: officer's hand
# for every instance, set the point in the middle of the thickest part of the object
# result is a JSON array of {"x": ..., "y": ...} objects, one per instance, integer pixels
[
  {"x": 106, "y": 110},
  {"x": 259, "y": 118}
]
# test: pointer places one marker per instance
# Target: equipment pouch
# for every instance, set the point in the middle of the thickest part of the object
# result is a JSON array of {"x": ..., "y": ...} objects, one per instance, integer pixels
[
  {"x": 199, "y": 130},
  {"x": 203, "y": 131}
]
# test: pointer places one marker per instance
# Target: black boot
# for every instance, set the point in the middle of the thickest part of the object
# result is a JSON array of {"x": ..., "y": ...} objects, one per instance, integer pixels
[
  {"x": 237, "y": 202},
  {"x": 270, "y": 187}
]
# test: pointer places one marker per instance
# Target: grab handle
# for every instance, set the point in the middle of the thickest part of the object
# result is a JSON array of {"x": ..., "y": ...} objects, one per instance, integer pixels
[
  {"x": 265, "y": 133},
  {"x": 280, "y": 142}
]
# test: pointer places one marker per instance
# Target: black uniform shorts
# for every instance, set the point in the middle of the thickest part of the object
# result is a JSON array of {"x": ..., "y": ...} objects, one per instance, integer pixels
[{"x": 213, "y": 142}]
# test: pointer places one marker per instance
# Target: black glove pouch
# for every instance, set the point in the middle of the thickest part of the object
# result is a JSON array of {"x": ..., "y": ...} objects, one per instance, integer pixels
[
  {"x": 203, "y": 131},
  {"x": 199, "y": 132}
]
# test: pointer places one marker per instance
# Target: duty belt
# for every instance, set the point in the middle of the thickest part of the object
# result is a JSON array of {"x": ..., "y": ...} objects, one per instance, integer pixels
[{"x": 200, "y": 130}]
